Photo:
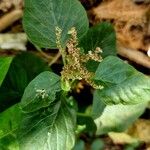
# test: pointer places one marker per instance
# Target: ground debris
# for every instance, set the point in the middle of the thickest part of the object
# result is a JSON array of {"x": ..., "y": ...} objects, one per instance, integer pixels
[
  {"x": 13, "y": 41},
  {"x": 5, "y": 5},
  {"x": 131, "y": 22}
]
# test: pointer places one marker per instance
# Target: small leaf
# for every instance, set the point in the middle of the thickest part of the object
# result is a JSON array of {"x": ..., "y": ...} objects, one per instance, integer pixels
[
  {"x": 122, "y": 83},
  {"x": 97, "y": 145},
  {"x": 24, "y": 68},
  {"x": 40, "y": 92},
  {"x": 52, "y": 128},
  {"x": 101, "y": 35},
  {"x": 83, "y": 119},
  {"x": 80, "y": 145},
  {"x": 4, "y": 66},
  {"x": 119, "y": 117},
  {"x": 42, "y": 17}
]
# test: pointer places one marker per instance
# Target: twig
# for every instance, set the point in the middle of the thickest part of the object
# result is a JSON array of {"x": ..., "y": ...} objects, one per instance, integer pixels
[
  {"x": 55, "y": 59},
  {"x": 10, "y": 18},
  {"x": 135, "y": 56},
  {"x": 43, "y": 54}
]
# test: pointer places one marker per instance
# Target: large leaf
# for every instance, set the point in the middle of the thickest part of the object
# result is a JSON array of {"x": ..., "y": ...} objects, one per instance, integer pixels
[
  {"x": 42, "y": 17},
  {"x": 114, "y": 117},
  {"x": 49, "y": 121},
  {"x": 9, "y": 121},
  {"x": 9, "y": 124},
  {"x": 118, "y": 117},
  {"x": 9, "y": 143},
  {"x": 40, "y": 92},
  {"x": 98, "y": 105},
  {"x": 23, "y": 69},
  {"x": 49, "y": 128},
  {"x": 122, "y": 83},
  {"x": 4, "y": 66},
  {"x": 101, "y": 35}
]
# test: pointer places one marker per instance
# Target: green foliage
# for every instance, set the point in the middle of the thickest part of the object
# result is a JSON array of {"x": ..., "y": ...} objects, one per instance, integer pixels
[
  {"x": 117, "y": 117},
  {"x": 41, "y": 92},
  {"x": 122, "y": 83},
  {"x": 42, "y": 17},
  {"x": 24, "y": 68},
  {"x": 124, "y": 97},
  {"x": 101, "y": 35},
  {"x": 87, "y": 121},
  {"x": 4, "y": 66},
  {"x": 9, "y": 143},
  {"x": 113, "y": 71},
  {"x": 46, "y": 116},
  {"x": 10, "y": 120},
  {"x": 52, "y": 127},
  {"x": 97, "y": 145},
  {"x": 79, "y": 145},
  {"x": 98, "y": 105}
]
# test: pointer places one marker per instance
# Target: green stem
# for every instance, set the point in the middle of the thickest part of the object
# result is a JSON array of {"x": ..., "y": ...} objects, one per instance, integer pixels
[
  {"x": 83, "y": 114},
  {"x": 43, "y": 54}
]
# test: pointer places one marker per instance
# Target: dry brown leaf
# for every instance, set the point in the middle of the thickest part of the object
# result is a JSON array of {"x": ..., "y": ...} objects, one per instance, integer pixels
[
  {"x": 122, "y": 138},
  {"x": 5, "y": 5},
  {"x": 131, "y": 21},
  {"x": 132, "y": 25},
  {"x": 141, "y": 130}
]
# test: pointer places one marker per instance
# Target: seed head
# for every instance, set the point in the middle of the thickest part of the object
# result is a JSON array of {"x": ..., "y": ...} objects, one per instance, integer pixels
[{"x": 75, "y": 68}]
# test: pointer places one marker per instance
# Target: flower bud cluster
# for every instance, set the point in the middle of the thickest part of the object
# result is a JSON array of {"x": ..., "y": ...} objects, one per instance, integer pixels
[{"x": 75, "y": 69}]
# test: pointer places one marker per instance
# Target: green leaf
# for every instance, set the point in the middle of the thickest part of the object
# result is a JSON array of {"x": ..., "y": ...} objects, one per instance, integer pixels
[
  {"x": 40, "y": 92},
  {"x": 113, "y": 70},
  {"x": 9, "y": 143},
  {"x": 4, "y": 66},
  {"x": 119, "y": 117},
  {"x": 122, "y": 83},
  {"x": 49, "y": 121},
  {"x": 97, "y": 145},
  {"x": 98, "y": 105},
  {"x": 83, "y": 119},
  {"x": 101, "y": 35},
  {"x": 49, "y": 128},
  {"x": 80, "y": 145},
  {"x": 24, "y": 68},
  {"x": 42, "y": 17},
  {"x": 9, "y": 121}
]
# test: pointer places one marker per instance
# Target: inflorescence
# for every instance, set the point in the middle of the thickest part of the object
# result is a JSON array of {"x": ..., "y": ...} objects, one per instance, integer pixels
[{"x": 75, "y": 69}]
